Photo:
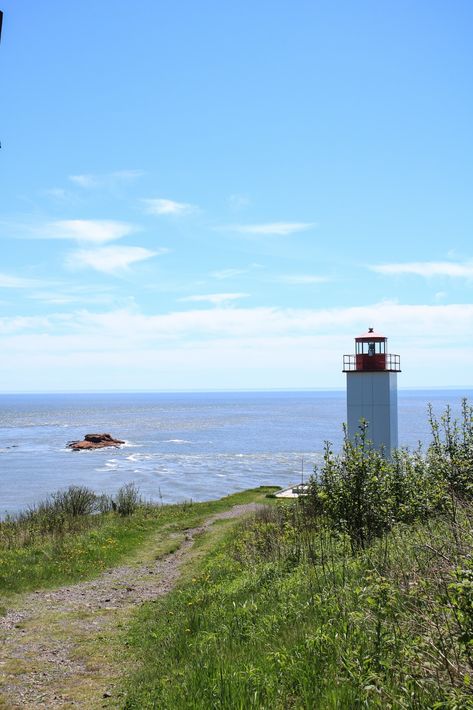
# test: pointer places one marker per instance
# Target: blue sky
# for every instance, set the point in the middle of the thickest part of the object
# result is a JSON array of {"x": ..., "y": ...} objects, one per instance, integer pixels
[{"x": 200, "y": 195}]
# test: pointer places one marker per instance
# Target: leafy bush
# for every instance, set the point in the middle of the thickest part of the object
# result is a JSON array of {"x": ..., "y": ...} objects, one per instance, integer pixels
[
  {"x": 128, "y": 499},
  {"x": 364, "y": 494},
  {"x": 75, "y": 501},
  {"x": 353, "y": 489},
  {"x": 450, "y": 454}
]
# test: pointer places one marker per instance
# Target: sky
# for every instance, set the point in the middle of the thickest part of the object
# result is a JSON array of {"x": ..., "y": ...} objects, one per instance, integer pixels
[{"x": 214, "y": 195}]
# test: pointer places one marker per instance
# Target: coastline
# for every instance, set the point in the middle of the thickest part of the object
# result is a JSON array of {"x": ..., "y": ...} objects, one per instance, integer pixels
[{"x": 183, "y": 446}]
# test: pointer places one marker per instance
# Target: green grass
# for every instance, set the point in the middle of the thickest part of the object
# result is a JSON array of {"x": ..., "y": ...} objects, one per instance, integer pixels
[
  {"x": 280, "y": 616},
  {"x": 89, "y": 544}
]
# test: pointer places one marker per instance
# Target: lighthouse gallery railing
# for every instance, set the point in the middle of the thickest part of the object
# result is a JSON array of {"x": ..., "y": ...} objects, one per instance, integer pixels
[{"x": 366, "y": 363}]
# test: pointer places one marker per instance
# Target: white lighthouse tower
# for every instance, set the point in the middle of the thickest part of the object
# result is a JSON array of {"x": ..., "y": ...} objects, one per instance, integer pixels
[{"x": 372, "y": 390}]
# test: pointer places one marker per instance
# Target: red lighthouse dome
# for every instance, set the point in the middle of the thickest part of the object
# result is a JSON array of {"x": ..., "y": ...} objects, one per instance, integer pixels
[{"x": 371, "y": 355}]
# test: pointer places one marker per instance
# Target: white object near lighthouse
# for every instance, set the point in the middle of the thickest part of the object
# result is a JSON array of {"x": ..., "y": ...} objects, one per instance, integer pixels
[{"x": 372, "y": 390}]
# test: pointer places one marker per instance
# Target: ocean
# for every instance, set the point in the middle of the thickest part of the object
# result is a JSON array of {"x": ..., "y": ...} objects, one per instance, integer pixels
[{"x": 184, "y": 446}]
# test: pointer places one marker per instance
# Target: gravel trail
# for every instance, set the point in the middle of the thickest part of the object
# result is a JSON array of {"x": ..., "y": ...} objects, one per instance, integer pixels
[{"x": 52, "y": 653}]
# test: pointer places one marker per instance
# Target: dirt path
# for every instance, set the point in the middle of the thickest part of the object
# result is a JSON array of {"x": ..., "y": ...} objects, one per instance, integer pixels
[{"x": 52, "y": 650}]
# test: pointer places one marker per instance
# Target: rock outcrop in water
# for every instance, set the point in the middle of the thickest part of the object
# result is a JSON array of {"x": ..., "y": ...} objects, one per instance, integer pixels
[{"x": 95, "y": 441}]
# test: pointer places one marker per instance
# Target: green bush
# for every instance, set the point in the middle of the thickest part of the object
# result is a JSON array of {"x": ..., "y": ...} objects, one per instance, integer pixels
[
  {"x": 127, "y": 499},
  {"x": 450, "y": 455},
  {"x": 353, "y": 489},
  {"x": 363, "y": 493},
  {"x": 75, "y": 501}
]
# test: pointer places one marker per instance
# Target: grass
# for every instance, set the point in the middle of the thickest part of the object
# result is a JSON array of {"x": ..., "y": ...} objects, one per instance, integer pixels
[
  {"x": 91, "y": 638},
  {"x": 37, "y": 552},
  {"x": 281, "y": 615}
]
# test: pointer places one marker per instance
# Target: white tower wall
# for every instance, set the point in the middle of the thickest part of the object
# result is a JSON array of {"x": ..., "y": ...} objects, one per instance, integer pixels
[{"x": 373, "y": 396}]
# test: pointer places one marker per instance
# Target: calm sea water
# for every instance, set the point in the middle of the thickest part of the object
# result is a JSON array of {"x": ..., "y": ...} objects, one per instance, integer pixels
[{"x": 180, "y": 446}]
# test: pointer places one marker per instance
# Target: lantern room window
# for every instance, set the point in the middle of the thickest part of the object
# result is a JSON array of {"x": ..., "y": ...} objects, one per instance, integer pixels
[{"x": 371, "y": 348}]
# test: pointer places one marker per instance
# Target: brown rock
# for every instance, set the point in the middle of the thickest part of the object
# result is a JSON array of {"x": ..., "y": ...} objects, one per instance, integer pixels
[{"x": 95, "y": 441}]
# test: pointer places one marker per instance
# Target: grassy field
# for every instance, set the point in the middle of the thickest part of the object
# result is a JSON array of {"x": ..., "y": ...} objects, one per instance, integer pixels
[
  {"x": 358, "y": 596},
  {"x": 278, "y": 615},
  {"x": 62, "y": 545},
  {"x": 45, "y": 548}
]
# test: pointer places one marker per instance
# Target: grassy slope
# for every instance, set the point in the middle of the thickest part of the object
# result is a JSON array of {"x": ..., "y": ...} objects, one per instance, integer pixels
[
  {"x": 102, "y": 542},
  {"x": 270, "y": 619},
  {"x": 96, "y": 632},
  {"x": 272, "y": 615}
]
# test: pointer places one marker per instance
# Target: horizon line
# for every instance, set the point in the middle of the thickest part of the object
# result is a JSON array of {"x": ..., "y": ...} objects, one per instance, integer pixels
[{"x": 225, "y": 390}]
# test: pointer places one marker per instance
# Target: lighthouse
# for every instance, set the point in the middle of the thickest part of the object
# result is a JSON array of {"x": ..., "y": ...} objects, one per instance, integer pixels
[{"x": 372, "y": 390}]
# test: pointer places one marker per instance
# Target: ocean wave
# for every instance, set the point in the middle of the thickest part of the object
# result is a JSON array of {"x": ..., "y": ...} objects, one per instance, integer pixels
[{"x": 140, "y": 457}]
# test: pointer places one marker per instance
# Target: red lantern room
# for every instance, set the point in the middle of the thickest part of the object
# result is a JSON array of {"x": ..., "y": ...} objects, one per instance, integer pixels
[{"x": 371, "y": 355}]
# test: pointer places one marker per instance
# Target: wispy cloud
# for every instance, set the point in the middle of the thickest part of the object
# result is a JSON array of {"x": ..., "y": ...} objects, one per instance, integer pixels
[
  {"x": 290, "y": 279},
  {"x": 63, "y": 298},
  {"x": 271, "y": 228},
  {"x": 105, "y": 180},
  {"x": 219, "y": 346},
  {"x": 9, "y": 281},
  {"x": 56, "y": 293},
  {"x": 215, "y": 298},
  {"x": 436, "y": 324},
  {"x": 161, "y": 206},
  {"x": 95, "y": 231},
  {"x": 301, "y": 279},
  {"x": 427, "y": 268},
  {"x": 230, "y": 273},
  {"x": 65, "y": 293},
  {"x": 110, "y": 260},
  {"x": 87, "y": 230}
]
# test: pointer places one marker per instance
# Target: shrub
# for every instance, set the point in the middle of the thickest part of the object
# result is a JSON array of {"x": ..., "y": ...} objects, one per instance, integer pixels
[
  {"x": 363, "y": 494},
  {"x": 75, "y": 501},
  {"x": 105, "y": 503},
  {"x": 127, "y": 499},
  {"x": 450, "y": 455},
  {"x": 352, "y": 490}
]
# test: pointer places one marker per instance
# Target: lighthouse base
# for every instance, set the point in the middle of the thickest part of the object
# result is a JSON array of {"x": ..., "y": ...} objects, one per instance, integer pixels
[{"x": 372, "y": 396}]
